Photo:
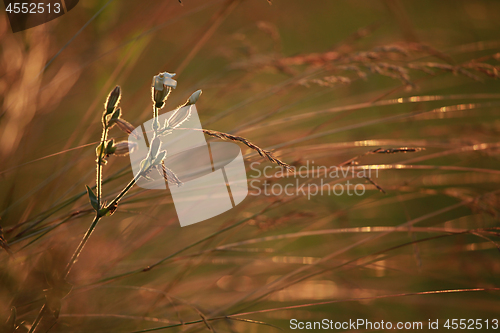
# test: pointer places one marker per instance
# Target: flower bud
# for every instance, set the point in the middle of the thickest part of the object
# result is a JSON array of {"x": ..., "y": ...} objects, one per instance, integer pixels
[
  {"x": 164, "y": 79},
  {"x": 122, "y": 148},
  {"x": 110, "y": 147},
  {"x": 194, "y": 97},
  {"x": 161, "y": 87},
  {"x": 103, "y": 150},
  {"x": 112, "y": 100},
  {"x": 117, "y": 114},
  {"x": 124, "y": 125}
]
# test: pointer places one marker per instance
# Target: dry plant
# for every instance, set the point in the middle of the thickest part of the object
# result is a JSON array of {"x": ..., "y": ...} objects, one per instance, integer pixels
[
  {"x": 112, "y": 114},
  {"x": 394, "y": 61},
  {"x": 426, "y": 119},
  {"x": 21, "y": 95}
]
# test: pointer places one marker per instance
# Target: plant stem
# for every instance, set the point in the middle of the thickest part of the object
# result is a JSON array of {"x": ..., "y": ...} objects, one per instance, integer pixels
[
  {"x": 97, "y": 217},
  {"x": 84, "y": 240},
  {"x": 79, "y": 249},
  {"x": 104, "y": 136},
  {"x": 156, "y": 121},
  {"x": 108, "y": 208},
  {"x": 38, "y": 319},
  {"x": 122, "y": 193}
]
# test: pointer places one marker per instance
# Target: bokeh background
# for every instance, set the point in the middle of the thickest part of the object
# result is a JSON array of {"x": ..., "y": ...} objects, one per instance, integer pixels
[{"x": 322, "y": 81}]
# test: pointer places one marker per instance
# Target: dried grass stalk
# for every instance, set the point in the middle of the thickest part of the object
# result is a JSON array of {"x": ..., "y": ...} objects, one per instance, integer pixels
[
  {"x": 262, "y": 152},
  {"x": 396, "y": 150},
  {"x": 375, "y": 184}
]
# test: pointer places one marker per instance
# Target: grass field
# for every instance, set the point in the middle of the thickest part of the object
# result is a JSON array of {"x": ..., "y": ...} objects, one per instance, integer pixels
[{"x": 406, "y": 89}]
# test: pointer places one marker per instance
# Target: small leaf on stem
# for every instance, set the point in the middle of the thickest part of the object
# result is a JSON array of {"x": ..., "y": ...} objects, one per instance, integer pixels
[{"x": 92, "y": 199}]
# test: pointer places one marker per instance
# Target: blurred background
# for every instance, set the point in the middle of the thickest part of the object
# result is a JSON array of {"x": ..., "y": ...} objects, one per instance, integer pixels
[{"x": 324, "y": 81}]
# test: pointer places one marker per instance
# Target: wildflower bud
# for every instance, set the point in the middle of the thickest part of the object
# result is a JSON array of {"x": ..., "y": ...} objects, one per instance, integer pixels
[
  {"x": 164, "y": 79},
  {"x": 124, "y": 125},
  {"x": 161, "y": 87},
  {"x": 122, "y": 148},
  {"x": 103, "y": 150},
  {"x": 116, "y": 114},
  {"x": 194, "y": 97},
  {"x": 110, "y": 147},
  {"x": 112, "y": 100}
]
